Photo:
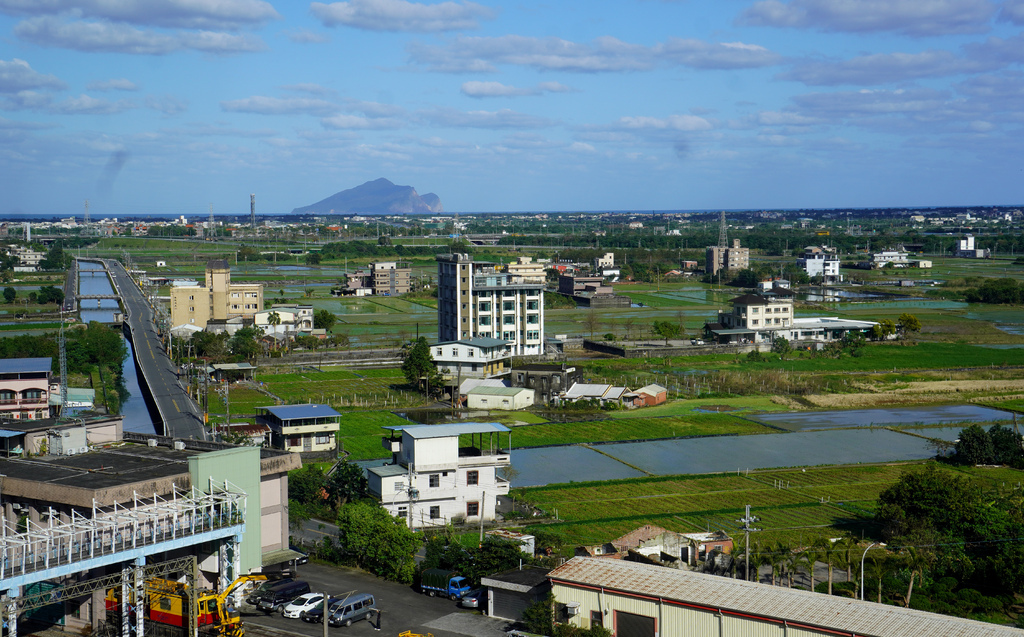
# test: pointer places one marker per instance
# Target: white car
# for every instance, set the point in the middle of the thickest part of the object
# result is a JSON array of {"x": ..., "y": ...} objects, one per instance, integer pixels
[{"x": 301, "y": 604}]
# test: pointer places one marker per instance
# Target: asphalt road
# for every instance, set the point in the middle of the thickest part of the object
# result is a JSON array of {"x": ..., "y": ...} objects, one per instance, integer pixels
[
  {"x": 179, "y": 414},
  {"x": 403, "y": 609}
]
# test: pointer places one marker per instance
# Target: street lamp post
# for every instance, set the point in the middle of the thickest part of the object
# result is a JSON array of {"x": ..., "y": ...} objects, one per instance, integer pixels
[{"x": 862, "y": 566}]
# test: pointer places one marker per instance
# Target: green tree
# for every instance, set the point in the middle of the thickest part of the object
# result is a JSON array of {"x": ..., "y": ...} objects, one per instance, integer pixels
[
  {"x": 10, "y": 294},
  {"x": 314, "y": 258},
  {"x": 745, "y": 279},
  {"x": 324, "y": 319},
  {"x": 307, "y": 485},
  {"x": 908, "y": 324},
  {"x": 346, "y": 483},
  {"x": 827, "y": 551},
  {"x": 538, "y": 617},
  {"x": 916, "y": 560},
  {"x": 377, "y": 541},
  {"x": 591, "y": 322},
  {"x": 781, "y": 347},
  {"x": 419, "y": 368},
  {"x": 274, "y": 319},
  {"x": 666, "y": 329},
  {"x": 245, "y": 343},
  {"x": 247, "y": 253},
  {"x": 974, "y": 446},
  {"x": 210, "y": 345},
  {"x": 883, "y": 330},
  {"x": 1006, "y": 447}
]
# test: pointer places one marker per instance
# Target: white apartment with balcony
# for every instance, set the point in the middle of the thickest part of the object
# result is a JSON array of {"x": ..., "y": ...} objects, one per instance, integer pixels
[
  {"x": 472, "y": 358},
  {"x": 433, "y": 481},
  {"x": 491, "y": 300},
  {"x": 821, "y": 264}
]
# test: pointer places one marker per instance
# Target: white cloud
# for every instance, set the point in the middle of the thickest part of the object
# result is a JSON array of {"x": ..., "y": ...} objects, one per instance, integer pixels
[
  {"x": 581, "y": 147},
  {"x": 672, "y": 122},
  {"x": 1012, "y": 12},
  {"x": 910, "y": 17},
  {"x": 503, "y": 118},
  {"x": 279, "y": 106},
  {"x": 603, "y": 54},
  {"x": 305, "y": 36},
  {"x": 865, "y": 102},
  {"x": 310, "y": 88},
  {"x": 497, "y": 89},
  {"x": 186, "y": 14},
  {"x": 167, "y": 104},
  {"x": 883, "y": 68},
  {"x": 121, "y": 38},
  {"x": 400, "y": 15},
  {"x": 84, "y": 104},
  {"x": 17, "y": 75},
  {"x": 350, "y": 122},
  {"x": 120, "y": 84}
]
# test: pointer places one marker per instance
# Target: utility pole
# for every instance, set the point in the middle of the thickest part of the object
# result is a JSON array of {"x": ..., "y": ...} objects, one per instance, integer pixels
[{"x": 746, "y": 528}]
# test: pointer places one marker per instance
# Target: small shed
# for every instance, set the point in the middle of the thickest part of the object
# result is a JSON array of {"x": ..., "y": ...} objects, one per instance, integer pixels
[
  {"x": 508, "y": 398},
  {"x": 652, "y": 395},
  {"x": 509, "y": 593},
  {"x": 233, "y": 371}
]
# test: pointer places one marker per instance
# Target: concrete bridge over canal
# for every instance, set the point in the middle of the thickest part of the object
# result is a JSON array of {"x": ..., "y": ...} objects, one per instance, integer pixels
[{"x": 178, "y": 414}]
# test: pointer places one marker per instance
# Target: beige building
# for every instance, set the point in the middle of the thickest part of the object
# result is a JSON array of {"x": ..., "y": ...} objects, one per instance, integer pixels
[
  {"x": 722, "y": 258},
  {"x": 218, "y": 300}
]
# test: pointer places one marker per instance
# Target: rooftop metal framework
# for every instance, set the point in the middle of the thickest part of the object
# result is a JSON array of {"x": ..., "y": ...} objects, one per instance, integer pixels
[{"x": 119, "y": 533}]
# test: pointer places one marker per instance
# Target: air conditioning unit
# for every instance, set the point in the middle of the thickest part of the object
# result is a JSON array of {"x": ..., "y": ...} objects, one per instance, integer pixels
[
  {"x": 83, "y": 449},
  {"x": 179, "y": 445},
  {"x": 152, "y": 442},
  {"x": 70, "y": 451},
  {"x": 572, "y": 609}
]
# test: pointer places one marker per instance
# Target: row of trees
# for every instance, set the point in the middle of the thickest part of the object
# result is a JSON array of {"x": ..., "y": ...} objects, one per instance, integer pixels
[
  {"x": 46, "y": 294},
  {"x": 998, "y": 291},
  {"x": 999, "y": 445}
]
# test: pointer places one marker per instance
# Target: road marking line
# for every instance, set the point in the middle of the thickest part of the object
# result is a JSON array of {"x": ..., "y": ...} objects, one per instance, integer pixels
[{"x": 175, "y": 403}]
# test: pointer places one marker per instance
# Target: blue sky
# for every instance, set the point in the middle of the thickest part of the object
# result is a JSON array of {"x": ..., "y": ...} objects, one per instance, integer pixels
[{"x": 170, "y": 106}]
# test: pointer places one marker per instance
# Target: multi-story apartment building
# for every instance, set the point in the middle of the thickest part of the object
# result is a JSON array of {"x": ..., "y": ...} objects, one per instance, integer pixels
[
  {"x": 433, "y": 481},
  {"x": 478, "y": 299},
  {"x": 727, "y": 258},
  {"x": 821, "y": 264},
  {"x": 218, "y": 300},
  {"x": 25, "y": 388},
  {"x": 757, "y": 319}
]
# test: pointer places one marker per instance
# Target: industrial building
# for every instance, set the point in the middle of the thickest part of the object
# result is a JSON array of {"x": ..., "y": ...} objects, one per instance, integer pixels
[{"x": 640, "y": 600}]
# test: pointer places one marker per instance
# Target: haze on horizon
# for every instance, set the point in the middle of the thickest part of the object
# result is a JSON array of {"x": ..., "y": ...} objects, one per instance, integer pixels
[{"x": 163, "y": 107}]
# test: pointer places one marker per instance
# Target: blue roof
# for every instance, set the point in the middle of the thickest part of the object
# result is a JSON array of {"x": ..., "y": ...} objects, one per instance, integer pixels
[
  {"x": 16, "y": 365},
  {"x": 299, "y": 412},
  {"x": 7, "y": 433},
  {"x": 444, "y": 431}
]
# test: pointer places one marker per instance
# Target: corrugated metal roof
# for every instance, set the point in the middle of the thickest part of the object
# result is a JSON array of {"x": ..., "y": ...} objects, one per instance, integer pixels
[
  {"x": 496, "y": 391},
  {"x": 444, "y": 431},
  {"x": 580, "y": 390},
  {"x": 8, "y": 433},
  {"x": 771, "y": 602},
  {"x": 651, "y": 390},
  {"x": 25, "y": 365},
  {"x": 388, "y": 470},
  {"x": 294, "y": 412}
]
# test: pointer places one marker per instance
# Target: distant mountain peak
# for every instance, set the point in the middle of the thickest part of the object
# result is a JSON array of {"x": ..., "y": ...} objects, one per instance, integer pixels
[{"x": 379, "y": 196}]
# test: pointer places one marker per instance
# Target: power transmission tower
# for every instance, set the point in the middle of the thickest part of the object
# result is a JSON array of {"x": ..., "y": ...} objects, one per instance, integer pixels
[
  {"x": 86, "y": 219},
  {"x": 252, "y": 213},
  {"x": 723, "y": 240},
  {"x": 211, "y": 233}
]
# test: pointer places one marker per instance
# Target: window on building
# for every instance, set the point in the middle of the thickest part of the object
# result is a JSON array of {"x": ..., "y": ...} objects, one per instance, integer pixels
[
  {"x": 472, "y": 509},
  {"x": 294, "y": 441},
  {"x": 532, "y": 305},
  {"x": 455, "y": 351},
  {"x": 485, "y": 320},
  {"x": 435, "y": 513},
  {"x": 470, "y": 352},
  {"x": 192, "y": 298},
  {"x": 472, "y": 477},
  {"x": 440, "y": 351},
  {"x": 508, "y": 319},
  {"x": 234, "y": 295},
  {"x": 323, "y": 439},
  {"x": 508, "y": 306},
  {"x": 485, "y": 306},
  {"x": 32, "y": 394},
  {"x": 533, "y": 335},
  {"x": 754, "y": 310},
  {"x": 533, "y": 318},
  {"x": 596, "y": 618},
  {"x": 753, "y": 321},
  {"x": 435, "y": 480},
  {"x": 6, "y": 395},
  {"x": 508, "y": 336},
  {"x": 403, "y": 511},
  {"x": 192, "y": 309}
]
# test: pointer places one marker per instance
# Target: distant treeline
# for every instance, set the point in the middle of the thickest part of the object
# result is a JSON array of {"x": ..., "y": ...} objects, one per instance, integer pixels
[{"x": 1002, "y": 291}]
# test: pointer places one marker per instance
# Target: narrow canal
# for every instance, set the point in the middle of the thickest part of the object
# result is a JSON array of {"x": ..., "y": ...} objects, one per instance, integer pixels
[{"x": 93, "y": 280}]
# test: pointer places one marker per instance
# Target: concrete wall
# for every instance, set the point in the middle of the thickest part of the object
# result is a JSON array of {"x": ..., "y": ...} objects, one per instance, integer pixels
[{"x": 241, "y": 467}]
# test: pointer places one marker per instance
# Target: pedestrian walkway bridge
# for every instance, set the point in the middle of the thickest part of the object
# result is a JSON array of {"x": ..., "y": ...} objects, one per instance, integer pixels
[{"x": 118, "y": 534}]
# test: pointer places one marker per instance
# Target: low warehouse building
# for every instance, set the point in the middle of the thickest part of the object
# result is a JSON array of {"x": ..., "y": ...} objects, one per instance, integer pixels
[
  {"x": 509, "y": 398},
  {"x": 639, "y": 600},
  {"x": 512, "y": 592}
]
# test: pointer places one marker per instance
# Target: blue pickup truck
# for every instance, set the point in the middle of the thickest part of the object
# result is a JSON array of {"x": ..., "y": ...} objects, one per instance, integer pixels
[{"x": 438, "y": 581}]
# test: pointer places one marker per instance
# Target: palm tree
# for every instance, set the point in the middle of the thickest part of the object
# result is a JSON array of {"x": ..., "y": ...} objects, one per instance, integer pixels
[
  {"x": 810, "y": 555},
  {"x": 876, "y": 569},
  {"x": 915, "y": 560},
  {"x": 828, "y": 555},
  {"x": 793, "y": 560}
]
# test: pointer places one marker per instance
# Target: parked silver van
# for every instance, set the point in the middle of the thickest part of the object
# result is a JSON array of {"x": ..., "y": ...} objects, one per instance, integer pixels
[{"x": 352, "y": 608}]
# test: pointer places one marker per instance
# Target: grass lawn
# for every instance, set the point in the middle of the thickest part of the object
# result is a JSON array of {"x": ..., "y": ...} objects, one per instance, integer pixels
[
  {"x": 638, "y": 428},
  {"x": 816, "y": 502},
  {"x": 361, "y": 432}
]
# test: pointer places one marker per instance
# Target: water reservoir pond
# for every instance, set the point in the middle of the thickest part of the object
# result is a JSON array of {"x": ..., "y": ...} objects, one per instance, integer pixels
[{"x": 929, "y": 415}]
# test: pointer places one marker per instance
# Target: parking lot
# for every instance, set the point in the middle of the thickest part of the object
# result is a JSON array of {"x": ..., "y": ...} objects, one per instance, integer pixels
[{"x": 403, "y": 609}]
